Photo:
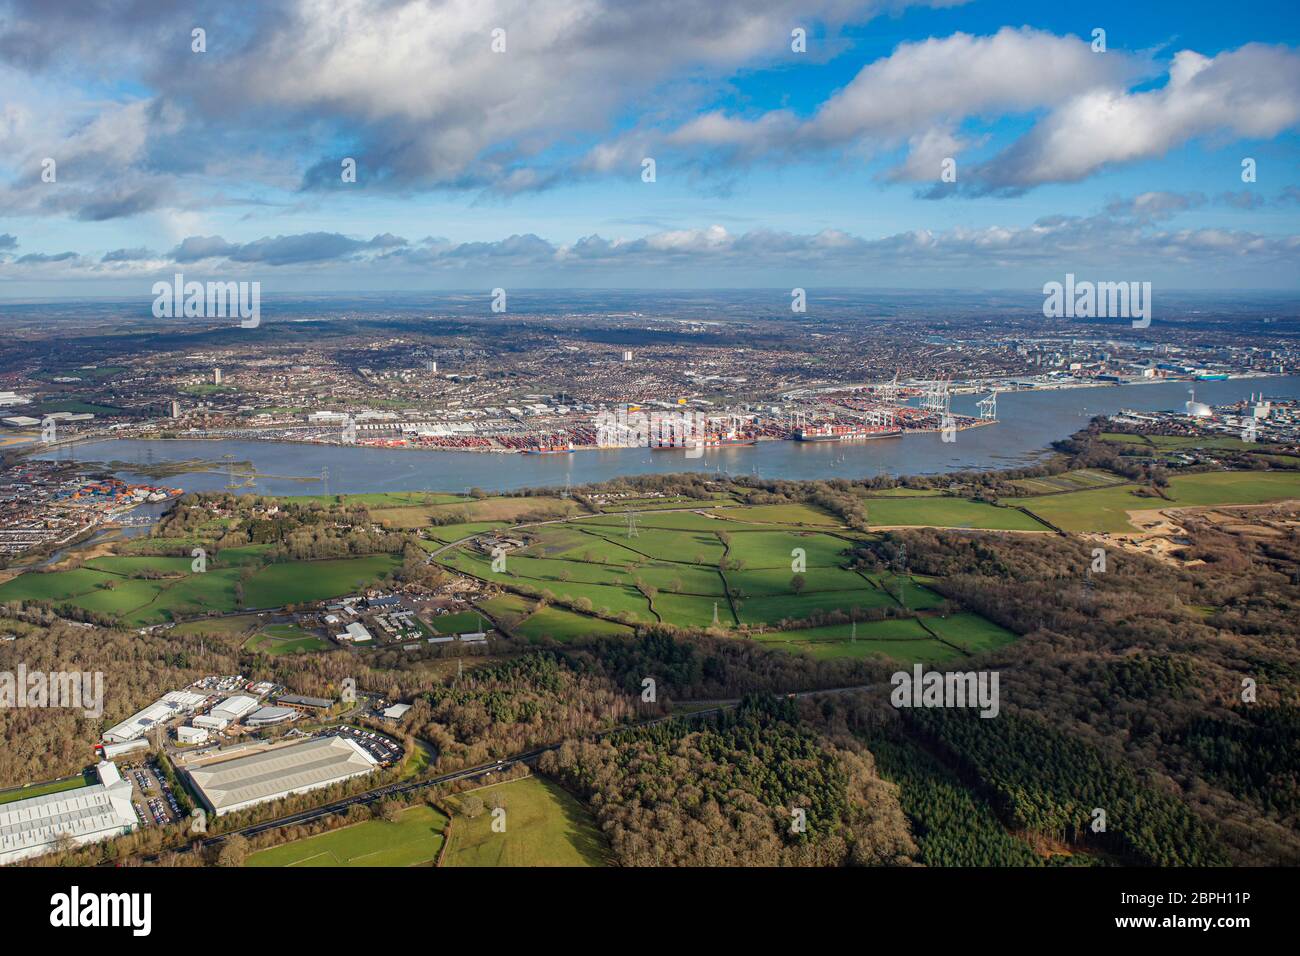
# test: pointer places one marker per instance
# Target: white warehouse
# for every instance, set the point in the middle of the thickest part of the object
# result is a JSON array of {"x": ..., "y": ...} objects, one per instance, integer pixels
[
  {"x": 298, "y": 768},
  {"x": 31, "y": 827},
  {"x": 162, "y": 711}
]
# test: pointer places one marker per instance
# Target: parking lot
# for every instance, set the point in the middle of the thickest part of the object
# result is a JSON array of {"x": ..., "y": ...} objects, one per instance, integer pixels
[
  {"x": 385, "y": 751},
  {"x": 154, "y": 799}
]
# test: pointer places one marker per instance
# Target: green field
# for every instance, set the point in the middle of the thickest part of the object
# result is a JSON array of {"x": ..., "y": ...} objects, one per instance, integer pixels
[
  {"x": 792, "y": 514},
  {"x": 1106, "y": 509},
  {"x": 41, "y": 789},
  {"x": 447, "y": 533},
  {"x": 560, "y": 624},
  {"x": 381, "y": 499},
  {"x": 544, "y": 826},
  {"x": 277, "y": 639},
  {"x": 296, "y": 582},
  {"x": 234, "y": 626},
  {"x": 107, "y": 587},
  {"x": 903, "y": 640},
  {"x": 415, "y": 839},
  {"x": 508, "y": 609},
  {"x": 462, "y": 622},
  {"x": 673, "y": 501},
  {"x": 597, "y": 561},
  {"x": 1082, "y": 479},
  {"x": 970, "y": 632},
  {"x": 1168, "y": 443},
  {"x": 947, "y": 513}
]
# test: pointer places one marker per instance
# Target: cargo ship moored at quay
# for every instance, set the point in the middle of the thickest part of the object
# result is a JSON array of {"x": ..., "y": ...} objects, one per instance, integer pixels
[{"x": 830, "y": 432}]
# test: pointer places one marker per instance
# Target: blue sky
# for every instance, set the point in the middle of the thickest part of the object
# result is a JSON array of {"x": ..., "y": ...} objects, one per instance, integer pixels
[{"x": 478, "y": 168}]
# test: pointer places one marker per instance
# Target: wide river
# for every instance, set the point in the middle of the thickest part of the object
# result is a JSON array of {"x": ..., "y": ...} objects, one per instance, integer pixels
[{"x": 1028, "y": 422}]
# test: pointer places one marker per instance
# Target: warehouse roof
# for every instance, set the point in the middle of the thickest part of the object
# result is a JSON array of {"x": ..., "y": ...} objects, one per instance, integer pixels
[
  {"x": 232, "y": 708},
  {"x": 31, "y": 827},
  {"x": 315, "y": 763},
  {"x": 269, "y": 715}
]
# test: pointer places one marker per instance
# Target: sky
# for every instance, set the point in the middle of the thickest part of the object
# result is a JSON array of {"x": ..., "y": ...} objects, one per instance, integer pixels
[{"x": 674, "y": 144}]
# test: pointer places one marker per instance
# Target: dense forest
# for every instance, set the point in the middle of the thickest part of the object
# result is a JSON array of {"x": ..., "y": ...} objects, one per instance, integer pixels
[
  {"x": 748, "y": 788},
  {"x": 49, "y": 742},
  {"x": 1144, "y": 664}
]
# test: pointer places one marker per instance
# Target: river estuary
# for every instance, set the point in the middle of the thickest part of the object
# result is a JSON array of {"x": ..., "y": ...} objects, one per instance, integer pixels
[{"x": 1028, "y": 422}]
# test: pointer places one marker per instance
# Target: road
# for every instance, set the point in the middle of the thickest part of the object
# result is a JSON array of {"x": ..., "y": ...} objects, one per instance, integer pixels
[{"x": 471, "y": 773}]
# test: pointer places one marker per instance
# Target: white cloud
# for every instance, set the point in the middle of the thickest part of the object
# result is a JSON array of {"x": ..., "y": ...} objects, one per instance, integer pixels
[{"x": 1251, "y": 92}]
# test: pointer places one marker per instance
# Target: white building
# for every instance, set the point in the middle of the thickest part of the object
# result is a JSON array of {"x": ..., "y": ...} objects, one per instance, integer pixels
[
  {"x": 31, "y": 827},
  {"x": 116, "y": 750},
  {"x": 208, "y": 722},
  {"x": 232, "y": 708},
  {"x": 264, "y": 716},
  {"x": 356, "y": 632},
  {"x": 191, "y": 735},
  {"x": 162, "y": 711},
  {"x": 299, "y": 768}
]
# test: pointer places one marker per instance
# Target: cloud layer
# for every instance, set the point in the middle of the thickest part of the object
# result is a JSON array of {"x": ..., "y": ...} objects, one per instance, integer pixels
[
  {"x": 1126, "y": 235},
  {"x": 417, "y": 94}
]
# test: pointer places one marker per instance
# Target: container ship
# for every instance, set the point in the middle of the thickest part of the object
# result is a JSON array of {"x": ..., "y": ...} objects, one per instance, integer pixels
[
  {"x": 550, "y": 450},
  {"x": 831, "y": 432},
  {"x": 713, "y": 441}
]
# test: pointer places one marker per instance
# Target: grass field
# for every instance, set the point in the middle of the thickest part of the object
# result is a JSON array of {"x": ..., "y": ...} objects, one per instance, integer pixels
[
  {"x": 507, "y": 608},
  {"x": 275, "y": 639},
  {"x": 1082, "y": 479},
  {"x": 1169, "y": 443},
  {"x": 947, "y": 513},
  {"x": 903, "y": 640},
  {"x": 794, "y": 514},
  {"x": 674, "y": 501},
  {"x": 560, "y": 624},
  {"x": 41, "y": 789},
  {"x": 415, "y": 839},
  {"x": 544, "y": 826},
  {"x": 1107, "y": 509},
  {"x": 464, "y": 622},
  {"x": 970, "y": 632},
  {"x": 678, "y": 557},
  {"x": 294, "y": 582},
  {"x": 382, "y": 499},
  {"x": 106, "y": 587},
  {"x": 233, "y": 626},
  {"x": 447, "y": 533}
]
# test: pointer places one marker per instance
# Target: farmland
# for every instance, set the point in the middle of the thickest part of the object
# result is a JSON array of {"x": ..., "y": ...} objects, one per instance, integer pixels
[
  {"x": 1107, "y": 509},
  {"x": 544, "y": 826},
  {"x": 167, "y": 588},
  {"x": 275, "y": 639},
  {"x": 413, "y": 840},
  {"x": 726, "y": 570}
]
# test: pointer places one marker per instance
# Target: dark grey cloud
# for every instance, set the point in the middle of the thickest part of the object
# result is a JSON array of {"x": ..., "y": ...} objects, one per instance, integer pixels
[
  {"x": 282, "y": 250},
  {"x": 1154, "y": 206},
  {"x": 127, "y": 255},
  {"x": 8, "y": 241},
  {"x": 198, "y": 248},
  {"x": 37, "y": 258},
  {"x": 1131, "y": 235}
]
